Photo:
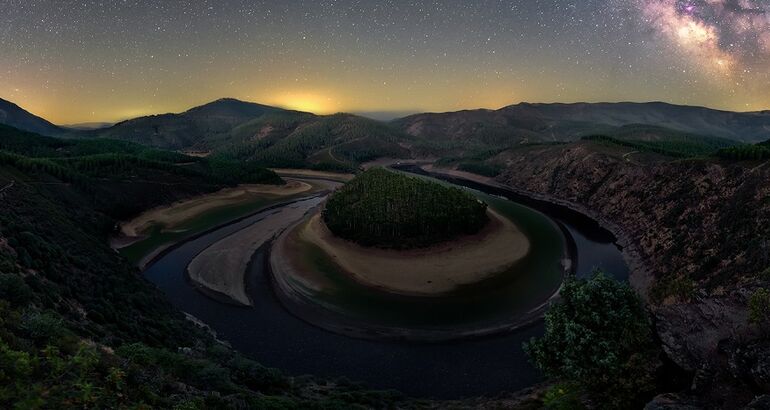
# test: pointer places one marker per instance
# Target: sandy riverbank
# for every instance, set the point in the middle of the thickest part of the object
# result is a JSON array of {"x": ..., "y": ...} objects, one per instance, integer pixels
[
  {"x": 222, "y": 267},
  {"x": 431, "y": 271},
  {"x": 174, "y": 214},
  {"x": 334, "y": 176},
  {"x": 640, "y": 274}
]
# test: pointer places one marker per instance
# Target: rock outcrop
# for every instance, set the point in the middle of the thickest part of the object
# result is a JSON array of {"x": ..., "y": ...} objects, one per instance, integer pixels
[{"x": 696, "y": 234}]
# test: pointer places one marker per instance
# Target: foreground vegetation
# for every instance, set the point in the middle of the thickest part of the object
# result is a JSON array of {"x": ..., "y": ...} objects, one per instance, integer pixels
[
  {"x": 386, "y": 209},
  {"x": 599, "y": 343},
  {"x": 80, "y": 328}
]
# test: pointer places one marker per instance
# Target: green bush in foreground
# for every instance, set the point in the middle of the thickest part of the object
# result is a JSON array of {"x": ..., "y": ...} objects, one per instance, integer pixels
[
  {"x": 598, "y": 337},
  {"x": 390, "y": 210}
]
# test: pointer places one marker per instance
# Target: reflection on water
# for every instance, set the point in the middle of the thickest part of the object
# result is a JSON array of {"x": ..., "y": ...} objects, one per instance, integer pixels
[{"x": 271, "y": 335}]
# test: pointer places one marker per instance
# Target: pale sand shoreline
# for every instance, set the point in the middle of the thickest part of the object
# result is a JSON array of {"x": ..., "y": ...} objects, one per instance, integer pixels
[
  {"x": 291, "y": 172},
  {"x": 222, "y": 267},
  {"x": 174, "y": 214},
  {"x": 640, "y": 274},
  {"x": 429, "y": 272}
]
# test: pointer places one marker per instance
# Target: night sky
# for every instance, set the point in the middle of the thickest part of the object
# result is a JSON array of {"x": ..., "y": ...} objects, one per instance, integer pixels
[{"x": 81, "y": 61}]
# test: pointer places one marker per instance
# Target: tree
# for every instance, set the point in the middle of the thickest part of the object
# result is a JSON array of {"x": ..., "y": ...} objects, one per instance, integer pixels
[
  {"x": 598, "y": 336},
  {"x": 759, "y": 307}
]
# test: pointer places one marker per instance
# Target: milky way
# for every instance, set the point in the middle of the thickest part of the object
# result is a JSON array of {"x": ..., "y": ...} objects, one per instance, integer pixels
[
  {"x": 724, "y": 36},
  {"x": 94, "y": 60}
]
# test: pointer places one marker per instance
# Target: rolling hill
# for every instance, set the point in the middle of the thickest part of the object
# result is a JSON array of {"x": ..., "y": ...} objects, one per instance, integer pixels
[
  {"x": 115, "y": 174},
  {"x": 236, "y": 130},
  {"x": 15, "y": 116},
  {"x": 269, "y": 136},
  {"x": 526, "y": 122},
  {"x": 187, "y": 130}
]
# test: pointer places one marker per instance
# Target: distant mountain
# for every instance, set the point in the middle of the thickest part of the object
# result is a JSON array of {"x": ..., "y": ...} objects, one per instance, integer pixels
[
  {"x": 385, "y": 115},
  {"x": 267, "y": 135},
  {"x": 564, "y": 122},
  {"x": 15, "y": 116},
  {"x": 189, "y": 129},
  {"x": 85, "y": 126},
  {"x": 332, "y": 142}
]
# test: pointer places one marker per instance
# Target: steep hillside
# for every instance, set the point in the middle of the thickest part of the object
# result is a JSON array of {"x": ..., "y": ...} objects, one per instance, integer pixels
[
  {"x": 696, "y": 232},
  {"x": 80, "y": 328},
  {"x": 15, "y": 116},
  {"x": 123, "y": 178},
  {"x": 563, "y": 122}
]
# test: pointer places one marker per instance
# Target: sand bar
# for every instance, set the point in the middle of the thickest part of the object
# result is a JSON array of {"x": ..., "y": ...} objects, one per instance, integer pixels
[
  {"x": 334, "y": 176},
  {"x": 222, "y": 267},
  {"x": 174, "y": 214}
]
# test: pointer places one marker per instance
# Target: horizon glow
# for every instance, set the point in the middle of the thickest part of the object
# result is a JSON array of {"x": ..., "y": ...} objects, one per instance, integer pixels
[{"x": 93, "y": 61}]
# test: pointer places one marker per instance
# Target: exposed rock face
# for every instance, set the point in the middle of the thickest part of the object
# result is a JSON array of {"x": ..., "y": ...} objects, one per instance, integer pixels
[
  {"x": 696, "y": 234},
  {"x": 687, "y": 218}
]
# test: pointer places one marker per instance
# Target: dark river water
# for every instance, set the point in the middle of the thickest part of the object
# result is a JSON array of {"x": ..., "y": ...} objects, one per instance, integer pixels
[{"x": 275, "y": 338}]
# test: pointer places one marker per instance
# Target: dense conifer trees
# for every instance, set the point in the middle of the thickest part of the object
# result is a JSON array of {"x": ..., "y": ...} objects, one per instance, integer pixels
[{"x": 385, "y": 209}]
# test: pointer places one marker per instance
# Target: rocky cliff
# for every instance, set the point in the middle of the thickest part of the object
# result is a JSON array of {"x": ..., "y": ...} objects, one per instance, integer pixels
[{"x": 695, "y": 233}]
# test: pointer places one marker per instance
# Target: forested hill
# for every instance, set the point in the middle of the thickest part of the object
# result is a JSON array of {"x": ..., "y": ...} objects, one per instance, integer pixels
[
  {"x": 267, "y": 135},
  {"x": 80, "y": 328},
  {"x": 188, "y": 130},
  {"x": 123, "y": 178}
]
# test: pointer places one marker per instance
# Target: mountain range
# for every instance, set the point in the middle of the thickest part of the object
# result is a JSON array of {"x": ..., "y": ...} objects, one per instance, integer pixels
[
  {"x": 280, "y": 137},
  {"x": 565, "y": 122}
]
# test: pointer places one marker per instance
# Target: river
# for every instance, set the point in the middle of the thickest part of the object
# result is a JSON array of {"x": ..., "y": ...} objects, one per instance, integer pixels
[{"x": 275, "y": 338}]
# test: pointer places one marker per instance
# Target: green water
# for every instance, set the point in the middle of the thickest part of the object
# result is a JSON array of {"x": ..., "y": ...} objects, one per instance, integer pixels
[{"x": 512, "y": 293}]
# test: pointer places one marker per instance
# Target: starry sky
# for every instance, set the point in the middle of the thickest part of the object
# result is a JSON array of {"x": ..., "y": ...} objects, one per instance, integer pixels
[{"x": 106, "y": 60}]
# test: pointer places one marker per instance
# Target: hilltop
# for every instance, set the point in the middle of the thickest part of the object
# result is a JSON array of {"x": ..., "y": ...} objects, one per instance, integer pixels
[{"x": 15, "y": 116}]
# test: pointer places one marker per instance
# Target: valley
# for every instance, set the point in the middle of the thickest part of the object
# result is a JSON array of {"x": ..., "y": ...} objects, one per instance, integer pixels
[
  {"x": 246, "y": 251},
  {"x": 385, "y": 205},
  {"x": 412, "y": 366}
]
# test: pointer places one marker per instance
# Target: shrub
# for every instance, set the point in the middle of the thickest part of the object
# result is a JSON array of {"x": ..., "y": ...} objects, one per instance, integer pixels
[
  {"x": 43, "y": 325},
  {"x": 598, "y": 337},
  {"x": 562, "y": 396},
  {"x": 682, "y": 288}
]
